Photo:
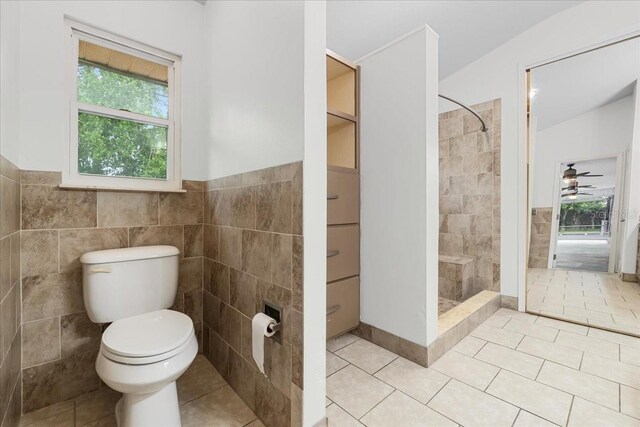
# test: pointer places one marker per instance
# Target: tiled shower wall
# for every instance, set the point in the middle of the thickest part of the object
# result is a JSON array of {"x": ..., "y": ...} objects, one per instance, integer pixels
[
  {"x": 10, "y": 309},
  {"x": 470, "y": 190},
  {"x": 253, "y": 253},
  {"x": 59, "y": 342},
  {"x": 540, "y": 237}
]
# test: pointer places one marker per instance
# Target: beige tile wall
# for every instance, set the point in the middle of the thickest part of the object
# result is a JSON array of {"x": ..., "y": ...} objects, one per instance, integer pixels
[
  {"x": 540, "y": 237},
  {"x": 10, "y": 309},
  {"x": 59, "y": 342},
  {"x": 456, "y": 277},
  {"x": 470, "y": 190},
  {"x": 253, "y": 252}
]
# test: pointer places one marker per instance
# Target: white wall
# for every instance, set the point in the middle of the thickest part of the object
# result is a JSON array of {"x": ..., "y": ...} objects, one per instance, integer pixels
[
  {"x": 399, "y": 187},
  {"x": 240, "y": 111},
  {"x": 632, "y": 218},
  {"x": 9, "y": 78},
  {"x": 314, "y": 213},
  {"x": 255, "y": 85},
  {"x": 174, "y": 26},
  {"x": 596, "y": 134},
  {"x": 500, "y": 74}
]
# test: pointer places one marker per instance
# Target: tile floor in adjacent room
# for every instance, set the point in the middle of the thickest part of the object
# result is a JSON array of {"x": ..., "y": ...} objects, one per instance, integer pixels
[
  {"x": 515, "y": 369},
  {"x": 583, "y": 253},
  {"x": 205, "y": 400},
  {"x": 599, "y": 299}
]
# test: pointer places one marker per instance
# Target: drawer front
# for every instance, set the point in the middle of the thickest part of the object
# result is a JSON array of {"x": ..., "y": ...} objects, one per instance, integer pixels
[
  {"x": 343, "y": 251},
  {"x": 343, "y": 198},
  {"x": 343, "y": 306}
]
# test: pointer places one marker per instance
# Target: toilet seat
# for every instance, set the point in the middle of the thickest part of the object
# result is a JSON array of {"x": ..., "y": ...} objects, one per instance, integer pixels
[{"x": 147, "y": 338}]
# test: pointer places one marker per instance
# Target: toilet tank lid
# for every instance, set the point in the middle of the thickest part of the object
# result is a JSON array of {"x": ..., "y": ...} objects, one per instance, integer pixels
[{"x": 129, "y": 254}]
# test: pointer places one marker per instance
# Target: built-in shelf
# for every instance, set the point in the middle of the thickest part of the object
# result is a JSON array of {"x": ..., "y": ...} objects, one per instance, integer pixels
[
  {"x": 342, "y": 115},
  {"x": 341, "y": 142},
  {"x": 341, "y": 86},
  {"x": 343, "y": 197}
]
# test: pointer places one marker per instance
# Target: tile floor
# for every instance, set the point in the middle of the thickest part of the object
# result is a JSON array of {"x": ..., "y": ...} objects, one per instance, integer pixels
[
  {"x": 587, "y": 297},
  {"x": 583, "y": 253},
  {"x": 515, "y": 369},
  {"x": 205, "y": 400}
]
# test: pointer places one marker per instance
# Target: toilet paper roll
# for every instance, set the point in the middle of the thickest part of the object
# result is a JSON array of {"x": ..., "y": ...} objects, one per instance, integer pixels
[{"x": 259, "y": 329}]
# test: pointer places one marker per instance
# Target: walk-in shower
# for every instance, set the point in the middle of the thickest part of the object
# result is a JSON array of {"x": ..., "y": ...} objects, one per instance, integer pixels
[{"x": 469, "y": 239}]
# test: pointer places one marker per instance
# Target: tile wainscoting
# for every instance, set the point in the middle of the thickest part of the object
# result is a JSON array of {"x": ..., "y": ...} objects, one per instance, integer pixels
[
  {"x": 10, "y": 307},
  {"x": 540, "y": 237},
  {"x": 59, "y": 342},
  {"x": 252, "y": 254}
]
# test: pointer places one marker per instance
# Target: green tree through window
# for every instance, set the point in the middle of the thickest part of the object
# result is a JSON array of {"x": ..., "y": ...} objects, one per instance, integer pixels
[{"x": 119, "y": 147}]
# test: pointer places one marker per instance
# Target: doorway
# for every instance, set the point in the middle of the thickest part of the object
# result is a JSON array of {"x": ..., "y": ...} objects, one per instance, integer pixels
[
  {"x": 583, "y": 187},
  {"x": 584, "y": 227}
]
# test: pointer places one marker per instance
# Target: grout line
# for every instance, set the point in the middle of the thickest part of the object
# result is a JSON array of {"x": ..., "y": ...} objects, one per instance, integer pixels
[
  {"x": 438, "y": 392},
  {"x": 540, "y": 370},
  {"x": 570, "y": 410},
  {"x": 394, "y": 359},
  {"x": 345, "y": 366},
  {"x": 345, "y": 346},
  {"x": 517, "y": 415},
  {"x": 484, "y": 345},
  {"x": 426, "y": 404},
  {"x": 377, "y": 404},
  {"x": 347, "y": 412},
  {"x": 493, "y": 379}
]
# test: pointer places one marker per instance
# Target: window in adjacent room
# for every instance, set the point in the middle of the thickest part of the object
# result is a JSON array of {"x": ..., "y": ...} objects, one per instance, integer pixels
[{"x": 123, "y": 114}]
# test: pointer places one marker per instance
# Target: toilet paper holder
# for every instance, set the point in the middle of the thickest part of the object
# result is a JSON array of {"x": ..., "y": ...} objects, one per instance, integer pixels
[
  {"x": 275, "y": 328},
  {"x": 275, "y": 312}
]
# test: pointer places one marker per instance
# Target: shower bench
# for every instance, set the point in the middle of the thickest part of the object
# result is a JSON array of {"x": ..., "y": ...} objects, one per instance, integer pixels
[{"x": 455, "y": 276}]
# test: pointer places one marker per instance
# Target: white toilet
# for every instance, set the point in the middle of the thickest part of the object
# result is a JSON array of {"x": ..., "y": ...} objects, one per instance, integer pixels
[{"x": 147, "y": 347}]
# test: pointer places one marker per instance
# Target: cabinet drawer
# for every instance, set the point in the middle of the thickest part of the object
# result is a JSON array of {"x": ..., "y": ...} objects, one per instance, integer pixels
[
  {"x": 343, "y": 306},
  {"x": 343, "y": 198},
  {"x": 343, "y": 251}
]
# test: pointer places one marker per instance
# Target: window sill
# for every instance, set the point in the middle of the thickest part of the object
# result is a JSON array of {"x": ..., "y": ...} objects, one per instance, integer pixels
[{"x": 122, "y": 189}]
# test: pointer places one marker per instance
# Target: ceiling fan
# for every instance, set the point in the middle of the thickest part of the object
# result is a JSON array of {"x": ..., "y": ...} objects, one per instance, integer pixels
[
  {"x": 574, "y": 185},
  {"x": 574, "y": 194},
  {"x": 571, "y": 175}
]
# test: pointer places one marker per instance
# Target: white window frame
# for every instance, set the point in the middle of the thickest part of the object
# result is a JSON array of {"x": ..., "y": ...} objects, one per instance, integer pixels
[{"x": 71, "y": 177}]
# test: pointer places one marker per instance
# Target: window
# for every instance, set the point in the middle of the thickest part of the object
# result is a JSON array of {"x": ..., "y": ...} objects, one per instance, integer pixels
[{"x": 123, "y": 109}]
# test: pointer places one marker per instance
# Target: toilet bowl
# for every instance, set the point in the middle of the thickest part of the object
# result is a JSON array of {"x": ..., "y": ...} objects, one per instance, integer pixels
[
  {"x": 142, "y": 356},
  {"x": 147, "y": 347}
]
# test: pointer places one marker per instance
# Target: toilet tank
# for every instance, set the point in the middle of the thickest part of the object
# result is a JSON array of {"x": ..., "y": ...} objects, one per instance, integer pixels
[{"x": 119, "y": 283}]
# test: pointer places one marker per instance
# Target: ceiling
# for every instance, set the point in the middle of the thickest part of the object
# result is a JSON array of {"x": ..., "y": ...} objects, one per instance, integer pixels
[
  {"x": 468, "y": 29},
  {"x": 573, "y": 86}
]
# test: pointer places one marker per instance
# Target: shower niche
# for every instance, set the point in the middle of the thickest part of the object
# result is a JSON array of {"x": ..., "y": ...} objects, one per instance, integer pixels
[{"x": 343, "y": 197}]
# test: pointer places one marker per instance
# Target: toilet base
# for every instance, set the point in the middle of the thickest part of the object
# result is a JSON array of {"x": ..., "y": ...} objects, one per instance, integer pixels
[{"x": 158, "y": 409}]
